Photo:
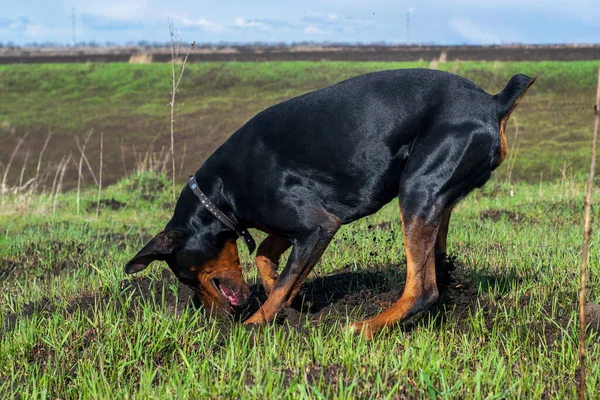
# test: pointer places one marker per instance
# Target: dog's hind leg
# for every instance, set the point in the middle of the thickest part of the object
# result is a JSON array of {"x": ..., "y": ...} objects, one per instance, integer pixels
[
  {"x": 420, "y": 290},
  {"x": 267, "y": 259},
  {"x": 440, "y": 243},
  {"x": 306, "y": 251}
]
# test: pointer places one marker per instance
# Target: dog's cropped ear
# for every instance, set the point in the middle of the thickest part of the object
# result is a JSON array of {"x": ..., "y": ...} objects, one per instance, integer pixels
[{"x": 163, "y": 245}]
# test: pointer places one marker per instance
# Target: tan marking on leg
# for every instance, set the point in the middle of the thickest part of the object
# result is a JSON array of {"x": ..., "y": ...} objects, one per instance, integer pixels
[
  {"x": 441, "y": 241},
  {"x": 301, "y": 262},
  {"x": 283, "y": 292},
  {"x": 267, "y": 259},
  {"x": 420, "y": 290}
]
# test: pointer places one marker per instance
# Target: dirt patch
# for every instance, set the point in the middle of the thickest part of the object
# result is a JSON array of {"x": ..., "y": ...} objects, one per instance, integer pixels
[
  {"x": 365, "y": 293},
  {"x": 514, "y": 217},
  {"x": 383, "y": 226},
  {"x": 33, "y": 261},
  {"x": 138, "y": 290},
  {"x": 105, "y": 204}
]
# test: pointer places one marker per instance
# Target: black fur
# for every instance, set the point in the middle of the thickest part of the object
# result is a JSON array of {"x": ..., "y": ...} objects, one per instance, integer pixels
[{"x": 427, "y": 136}]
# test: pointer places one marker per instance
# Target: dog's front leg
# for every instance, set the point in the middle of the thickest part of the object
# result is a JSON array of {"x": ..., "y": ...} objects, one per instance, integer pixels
[
  {"x": 306, "y": 251},
  {"x": 267, "y": 259}
]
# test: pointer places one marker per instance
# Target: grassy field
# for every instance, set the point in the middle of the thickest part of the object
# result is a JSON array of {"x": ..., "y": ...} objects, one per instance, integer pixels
[
  {"x": 129, "y": 103},
  {"x": 73, "y": 325}
]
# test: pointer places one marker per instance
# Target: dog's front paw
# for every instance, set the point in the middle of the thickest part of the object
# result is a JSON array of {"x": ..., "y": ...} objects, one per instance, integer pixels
[
  {"x": 363, "y": 329},
  {"x": 257, "y": 319}
]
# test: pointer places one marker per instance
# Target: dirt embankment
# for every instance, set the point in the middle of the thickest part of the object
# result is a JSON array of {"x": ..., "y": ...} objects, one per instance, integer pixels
[{"x": 305, "y": 53}]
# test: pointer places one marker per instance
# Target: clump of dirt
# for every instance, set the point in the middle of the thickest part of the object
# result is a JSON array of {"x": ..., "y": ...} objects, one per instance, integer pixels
[
  {"x": 592, "y": 316},
  {"x": 496, "y": 215},
  {"x": 386, "y": 225},
  {"x": 105, "y": 204}
]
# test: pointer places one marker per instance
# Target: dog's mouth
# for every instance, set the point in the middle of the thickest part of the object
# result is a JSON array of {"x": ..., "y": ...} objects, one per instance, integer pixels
[{"x": 235, "y": 299}]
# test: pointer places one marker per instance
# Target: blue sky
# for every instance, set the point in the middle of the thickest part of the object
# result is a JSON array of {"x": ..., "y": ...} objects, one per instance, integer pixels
[{"x": 366, "y": 21}]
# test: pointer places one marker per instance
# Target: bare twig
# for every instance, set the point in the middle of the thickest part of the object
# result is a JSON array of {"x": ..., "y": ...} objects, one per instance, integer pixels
[
  {"x": 123, "y": 159},
  {"x": 80, "y": 176},
  {"x": 87, "y": 162},
  {"x": 23, "y": 170},
  {"x": 182, "y": 158},
  {"x": 175, "y": 46},
  {"x": 100, "y": 183},
  {"x": 513, "y": 157},
  {"x": 61, "y": 171},
  {"x": 39, "y": 164},
  {"x": 56, "y": 177},
  {"x": 7, "y": 168},
  {"x": 586, "y": 239}
]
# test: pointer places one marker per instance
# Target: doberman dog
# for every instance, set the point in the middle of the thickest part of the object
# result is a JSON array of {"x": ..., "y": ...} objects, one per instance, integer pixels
[{"x": 300, "y": 169}]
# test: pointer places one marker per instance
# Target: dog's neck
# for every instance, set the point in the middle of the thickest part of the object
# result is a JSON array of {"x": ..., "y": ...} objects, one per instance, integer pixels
[{"x": 191, "y": 216}]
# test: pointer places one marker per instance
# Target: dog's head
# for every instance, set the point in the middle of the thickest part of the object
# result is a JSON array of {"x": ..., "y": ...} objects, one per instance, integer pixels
[{"x": 208, "y": 263}]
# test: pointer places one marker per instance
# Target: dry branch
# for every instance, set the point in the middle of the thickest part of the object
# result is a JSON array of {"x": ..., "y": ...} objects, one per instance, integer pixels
[
  {"x": 4, "y": 188},
  {"x": 175, "y": 46},
  {"x": 586, "y": 239},
  {"x": 100, "y": 183},
  {"x": 39, "y": 164}
]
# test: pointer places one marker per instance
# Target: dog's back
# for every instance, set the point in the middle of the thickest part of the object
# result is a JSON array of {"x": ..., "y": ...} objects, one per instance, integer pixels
[{"x": 360, "y": 133}]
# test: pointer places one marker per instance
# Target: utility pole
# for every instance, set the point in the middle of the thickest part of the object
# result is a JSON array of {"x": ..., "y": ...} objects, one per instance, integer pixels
[
  {"x": 408, "y": 26},
  {"x": 73, "y": 20}
]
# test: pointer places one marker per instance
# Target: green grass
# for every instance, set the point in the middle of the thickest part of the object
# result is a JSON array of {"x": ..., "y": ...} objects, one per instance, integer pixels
[{"x": 74, "y": 326}]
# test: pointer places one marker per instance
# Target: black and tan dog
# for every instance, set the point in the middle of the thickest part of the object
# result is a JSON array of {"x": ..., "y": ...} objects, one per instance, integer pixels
[{"x": 302, "y": 168}]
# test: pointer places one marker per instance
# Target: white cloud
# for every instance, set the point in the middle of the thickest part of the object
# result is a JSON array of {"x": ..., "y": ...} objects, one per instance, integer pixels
[
  {"x": 204, "y": 24},
  {"x": 313, "y": 30},
  {"x": 471, "y": 32},
  {"x": 244, "y": 23}
]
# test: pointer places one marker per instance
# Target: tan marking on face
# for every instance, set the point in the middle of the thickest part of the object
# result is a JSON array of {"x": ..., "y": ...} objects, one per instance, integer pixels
[{"x": 225, "y": 267}]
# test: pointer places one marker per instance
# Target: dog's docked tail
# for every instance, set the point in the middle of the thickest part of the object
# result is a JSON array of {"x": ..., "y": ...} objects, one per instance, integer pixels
[{"x": 506, "y": 101}]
